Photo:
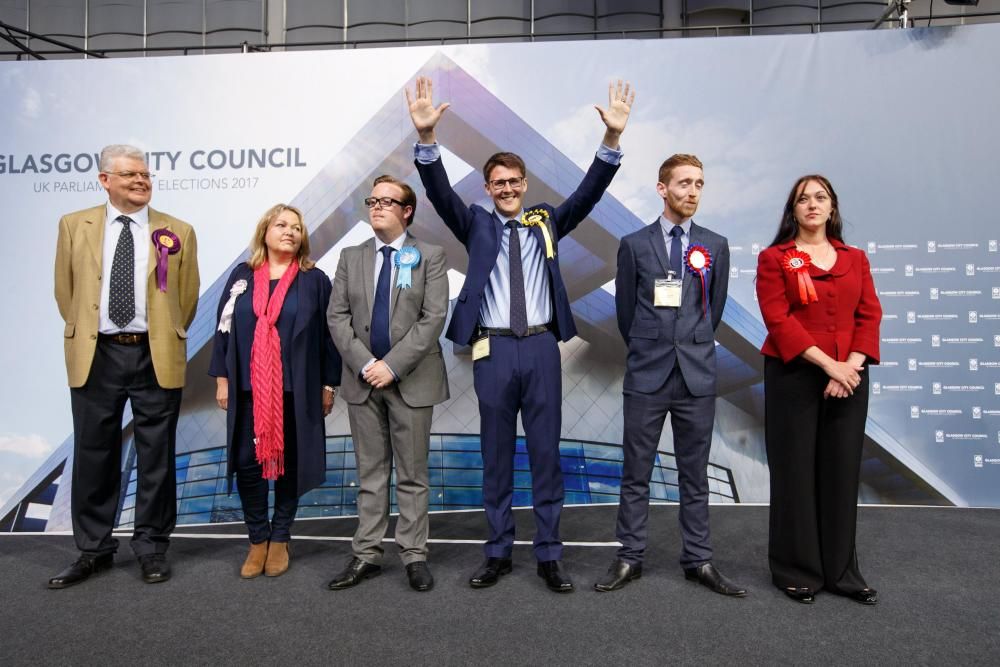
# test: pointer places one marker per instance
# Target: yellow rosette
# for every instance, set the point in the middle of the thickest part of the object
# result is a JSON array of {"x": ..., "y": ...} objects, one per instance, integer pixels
[{"x": 537, "y": 218}]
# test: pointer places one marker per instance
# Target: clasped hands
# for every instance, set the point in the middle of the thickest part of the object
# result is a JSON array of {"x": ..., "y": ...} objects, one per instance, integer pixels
[
  {"x": 378, "y": 375},
  {"x": 845, "y": 376}
]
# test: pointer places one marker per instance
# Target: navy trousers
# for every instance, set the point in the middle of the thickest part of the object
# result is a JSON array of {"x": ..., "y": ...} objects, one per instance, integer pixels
[
  {"x": 691, "y": 419},
  {"x": 521, "y": 374},
  {"x": 251, "y": 484}
]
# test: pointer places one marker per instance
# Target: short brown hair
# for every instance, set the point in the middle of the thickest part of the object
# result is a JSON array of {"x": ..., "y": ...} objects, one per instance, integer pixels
[
  {"x": 509, "y": 160},
  {"x": 674, "y": 161},
  {"x": 258, "y": 249},
  {"x": 409, "y": 196}
]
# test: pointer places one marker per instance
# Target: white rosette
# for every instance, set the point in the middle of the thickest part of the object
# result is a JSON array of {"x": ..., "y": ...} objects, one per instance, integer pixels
[{"x": 226, "y": 319}]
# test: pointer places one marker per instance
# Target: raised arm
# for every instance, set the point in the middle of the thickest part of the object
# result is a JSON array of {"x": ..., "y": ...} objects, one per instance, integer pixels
[
  {"x": 422, "y": 110},
  {"x": 620, "y": 99},
  {"x": 578, "y": 205}
]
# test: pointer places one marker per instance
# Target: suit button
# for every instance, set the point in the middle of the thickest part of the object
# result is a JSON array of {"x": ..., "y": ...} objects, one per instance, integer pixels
[
  {"x": 93, "y": 336},
  {"x": 829, "y": 295},
  {"x": 831, "y": 328},
  {"x": 831, "y": 311},
  {"x": 366, "y": 327},
  {"x": 94, "y": 306}
]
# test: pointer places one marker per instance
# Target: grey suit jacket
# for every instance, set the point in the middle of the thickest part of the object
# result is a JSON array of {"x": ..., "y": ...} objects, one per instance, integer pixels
[
  {"x": 657, "y": 336},
  {"x": 417, "y": 316}
]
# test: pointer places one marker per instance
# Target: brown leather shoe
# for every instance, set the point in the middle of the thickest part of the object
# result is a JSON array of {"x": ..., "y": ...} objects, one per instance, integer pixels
[
  {"x": 277, "y": 559},
  {"x": 253, "y": 566}
]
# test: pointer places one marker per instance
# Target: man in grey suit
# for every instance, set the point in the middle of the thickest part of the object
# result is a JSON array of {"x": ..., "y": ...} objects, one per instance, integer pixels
[
  {"x": 670, "y": 291},
  {"x": 387, "y": 311}
]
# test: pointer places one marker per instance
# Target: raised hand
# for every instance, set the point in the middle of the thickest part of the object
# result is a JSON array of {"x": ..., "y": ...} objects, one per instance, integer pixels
[
  {"x": 620, "y": 99},
  {"x": 422, "y": 111}
]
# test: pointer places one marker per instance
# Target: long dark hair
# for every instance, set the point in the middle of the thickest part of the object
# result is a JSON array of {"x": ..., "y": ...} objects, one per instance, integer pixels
[{"x": 789, "y": 227}]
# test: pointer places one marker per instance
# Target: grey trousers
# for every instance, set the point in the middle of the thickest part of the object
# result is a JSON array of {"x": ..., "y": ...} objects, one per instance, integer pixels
[{"x": 386, "y": 430}]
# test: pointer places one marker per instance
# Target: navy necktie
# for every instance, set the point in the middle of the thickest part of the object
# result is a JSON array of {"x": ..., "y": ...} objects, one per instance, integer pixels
[
  {"x": 518, "y": 307},
  {"x": 380, "y": 313},
  {"x": 121, "y": 291},
  {"x": 675, "y": 250}
]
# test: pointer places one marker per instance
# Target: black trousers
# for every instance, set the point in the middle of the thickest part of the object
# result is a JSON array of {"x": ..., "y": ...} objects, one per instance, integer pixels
[
  {"x": 814, "y": 454},
  {"x": 691, "y": 420},
  {"x": 250, "y": 480},
  {"x": 120, "y": 373}
]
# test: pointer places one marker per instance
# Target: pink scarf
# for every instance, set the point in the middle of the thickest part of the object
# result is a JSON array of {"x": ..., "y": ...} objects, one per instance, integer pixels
[{"x": 267, "y": 380}]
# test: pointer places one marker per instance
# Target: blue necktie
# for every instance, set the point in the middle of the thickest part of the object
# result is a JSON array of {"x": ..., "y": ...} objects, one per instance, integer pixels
[
  {"x": 121, "y": 292},
  {"x": 518, "y": 303},
  {"x": 380, "y": 313},
  {"x": 675, "y": 251}
]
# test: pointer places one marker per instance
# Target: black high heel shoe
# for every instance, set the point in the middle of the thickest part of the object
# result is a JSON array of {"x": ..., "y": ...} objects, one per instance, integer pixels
[
  {"x": 868, "y": 596},
  {"x": 803, "y": 595}
]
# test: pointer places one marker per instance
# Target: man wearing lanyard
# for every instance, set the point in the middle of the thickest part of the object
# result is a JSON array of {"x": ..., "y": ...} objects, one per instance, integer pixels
[
  {"x": 513, "y": 310},
  {"x": 670, "y": 290},
  {"x": 126, "y": 283}
]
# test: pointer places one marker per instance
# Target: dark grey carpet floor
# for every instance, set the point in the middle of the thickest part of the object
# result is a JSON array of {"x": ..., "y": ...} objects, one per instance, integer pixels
[{"x": 936, "y": 571}]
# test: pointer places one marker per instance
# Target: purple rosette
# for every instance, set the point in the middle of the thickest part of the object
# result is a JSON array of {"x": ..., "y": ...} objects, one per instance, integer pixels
[{"x": 166, "y": 243}]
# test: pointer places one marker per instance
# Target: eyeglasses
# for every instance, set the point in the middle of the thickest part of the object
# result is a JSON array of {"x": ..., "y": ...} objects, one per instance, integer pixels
[
  {"x": 132, "y": 175},
  {"x": 384, "y": 202},
  {"x": 514, "y": 183}
]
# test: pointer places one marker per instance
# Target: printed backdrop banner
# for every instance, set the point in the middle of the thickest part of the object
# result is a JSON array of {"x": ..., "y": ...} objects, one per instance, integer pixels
[{"x": 902, "y": 122}]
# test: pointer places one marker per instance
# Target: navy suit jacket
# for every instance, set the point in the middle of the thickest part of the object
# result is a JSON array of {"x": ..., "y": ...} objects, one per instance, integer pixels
[
  {"x": 480, "y": 232},
  {"x": 657, "y": 336},
  {"x": 315, "y": 362}
]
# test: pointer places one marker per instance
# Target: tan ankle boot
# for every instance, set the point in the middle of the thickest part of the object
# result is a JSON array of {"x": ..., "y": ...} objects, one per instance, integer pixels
[
  {"x": 277, "y": 559},
  {"x": 253, "y": 566}
]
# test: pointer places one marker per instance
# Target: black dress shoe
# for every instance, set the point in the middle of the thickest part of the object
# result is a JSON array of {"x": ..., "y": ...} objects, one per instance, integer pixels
[
  {"x": 356, "y": 571},
  {"x": 81, "y": 569},
  {"x": 420, "y": 576},
  {"x": 490, "y": 571},
  {"x": 803, "y": 595},
  {"x": 708, "y": 576},
  {"x": 557, "y": 580},
  {"x": 155, "y": 568},
  {"x": 867, "y": 596},
  {"x": 619, "y": 574}
]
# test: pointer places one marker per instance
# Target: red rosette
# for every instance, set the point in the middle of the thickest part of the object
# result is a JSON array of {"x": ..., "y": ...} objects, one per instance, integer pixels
[
  {"x": 697, "y": 261},
  {"x": 797, "y": 262}
]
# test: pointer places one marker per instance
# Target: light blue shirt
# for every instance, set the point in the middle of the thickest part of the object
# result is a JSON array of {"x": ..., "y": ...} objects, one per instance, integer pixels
[
  {"x": 495, "y": 310},
  {"x": 141, "y": 242},
  {"x": 665, "y": 227}
]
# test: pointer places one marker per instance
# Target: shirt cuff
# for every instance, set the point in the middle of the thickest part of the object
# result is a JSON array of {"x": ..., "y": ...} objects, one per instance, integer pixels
[
  {"x": 361, "y": 373},
  {"x": 427, "y": 153},
  {"x": 394, "y": 376},
  {"x": 610, "y": 155}
]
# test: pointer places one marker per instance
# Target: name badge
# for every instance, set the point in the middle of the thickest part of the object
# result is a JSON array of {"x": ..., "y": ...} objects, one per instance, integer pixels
[
  {"x": 481, "y": 348},
  {"x": 667, "y": 293}
]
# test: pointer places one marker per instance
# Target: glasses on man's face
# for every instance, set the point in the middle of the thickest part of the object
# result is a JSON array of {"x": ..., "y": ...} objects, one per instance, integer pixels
[
  {"x": 383, "y": 202},
  {"x": 132, "y": 175},
  {"x": 514, "y": 183}
]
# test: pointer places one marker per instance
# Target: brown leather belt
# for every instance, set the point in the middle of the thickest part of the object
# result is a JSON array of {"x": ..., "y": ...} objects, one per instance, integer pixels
[
  {"x": 124, "y": 338},
  {"x": 532, "y": 330}
]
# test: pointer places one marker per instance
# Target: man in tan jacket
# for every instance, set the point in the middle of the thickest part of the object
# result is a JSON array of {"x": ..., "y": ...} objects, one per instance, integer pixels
[{"x": 126, "y": 283}]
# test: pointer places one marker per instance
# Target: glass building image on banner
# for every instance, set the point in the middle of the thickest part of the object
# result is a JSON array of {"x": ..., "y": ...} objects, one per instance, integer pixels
[{"x": 478, "y": 125}]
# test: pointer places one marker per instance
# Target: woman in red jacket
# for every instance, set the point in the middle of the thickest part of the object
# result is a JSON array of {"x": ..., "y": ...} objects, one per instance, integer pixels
[{"x": 822, "y": 315}]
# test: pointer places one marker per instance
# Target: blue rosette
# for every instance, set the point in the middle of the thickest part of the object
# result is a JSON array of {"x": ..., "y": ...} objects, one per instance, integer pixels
[{"x": 407, "y": 258}]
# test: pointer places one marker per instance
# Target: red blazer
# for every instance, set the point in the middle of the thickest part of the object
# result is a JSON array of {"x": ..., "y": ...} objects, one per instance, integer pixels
[{"x": 845, "y": 319}]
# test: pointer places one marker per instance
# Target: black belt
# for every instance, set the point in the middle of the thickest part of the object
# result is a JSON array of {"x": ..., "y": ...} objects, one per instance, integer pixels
[
  {"x": 532, "y": 330},
  {"x": 124, "y": 338}
]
